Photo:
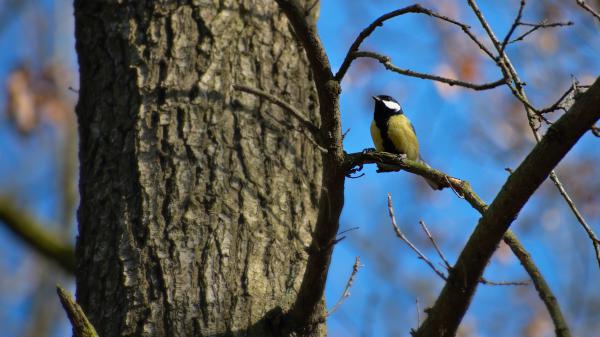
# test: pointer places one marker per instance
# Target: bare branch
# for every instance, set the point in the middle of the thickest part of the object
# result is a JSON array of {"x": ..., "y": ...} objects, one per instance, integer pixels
[
  {"x": 81, "y": 325},
  {"x": 346, "y": 292},
  {"x": 435, "y": 245},
  {"x": 41, "y": 240},
  {"x": 536, "y": 26},
  {"x": 464, "y": 189},
  {"x": 418, "y": 9},
  {"x": 445, "y": 316},
  {"x": 281, "y": 103},
  {"x": 514, "y": 25},
  {"x": 403, "y": 237},
  {"x": 588, "y": 8},
  {"x": 418, "y": 312},
  {"x": 355, "y": 161},
  {"x": 483, "y": 280},
  {"x": 580, "y": 218},
  {"x": 485, "y": 26},
  {"x": 315, "y": 132},
  {"x": 387, "y": 63},
  {"x": 503, "y": 283},
  {"x": 543, "y": 289},
  {"x": 557, "y": 104},
  {"x": 532, "y": 113}
]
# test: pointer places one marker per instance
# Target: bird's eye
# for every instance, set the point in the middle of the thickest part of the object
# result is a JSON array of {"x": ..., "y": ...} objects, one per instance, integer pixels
[{"x": 391, "y": 105}]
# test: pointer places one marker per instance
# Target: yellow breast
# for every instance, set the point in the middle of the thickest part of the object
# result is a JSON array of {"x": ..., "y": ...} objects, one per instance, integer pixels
[
  {"x": 401, "y": 134},
  {"x": 376, "y": 136}
]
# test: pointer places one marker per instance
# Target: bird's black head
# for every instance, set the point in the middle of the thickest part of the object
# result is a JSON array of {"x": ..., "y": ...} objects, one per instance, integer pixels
[{"x": 385, "y": 106}]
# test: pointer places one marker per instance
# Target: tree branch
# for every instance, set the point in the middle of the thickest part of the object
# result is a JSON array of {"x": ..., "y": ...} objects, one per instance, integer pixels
[
  {"x": 81, "y": 325},
  {"x": 281, "y": 103},
  {"x": 346, "y": 292},
  {"x": 445, "y": 316},
  {"x": 387, "y": 63},
  {"x": 418, "y": 9},
  {"x": 355, "y": 161},
  {"x": 588, "y": 8},
  {"x": 536, "y": 26},
  {"x": 403, "y": 237},
  {"x": 544, "y": 292},
  {"x": 315, "y": 132},
  {"x": 519, "y": 92},
  {"x": 588, "y": 229},
  {"x": 464, "y": 190},
  {"x": 435, "y": 245},
  {"x": 38, "y": 238},
  {"x": 514, "y": 26}
]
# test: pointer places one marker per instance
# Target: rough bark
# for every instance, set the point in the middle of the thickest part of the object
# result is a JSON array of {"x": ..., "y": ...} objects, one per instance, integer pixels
[{"x": 197, "y": 202}]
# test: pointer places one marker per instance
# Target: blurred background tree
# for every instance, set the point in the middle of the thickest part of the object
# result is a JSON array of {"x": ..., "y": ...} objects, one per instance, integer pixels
[{"x": 471, "y": 135}]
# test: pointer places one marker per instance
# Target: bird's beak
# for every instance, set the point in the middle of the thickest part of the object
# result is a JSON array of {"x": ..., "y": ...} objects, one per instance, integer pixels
[{"x": 376, "y": 98}]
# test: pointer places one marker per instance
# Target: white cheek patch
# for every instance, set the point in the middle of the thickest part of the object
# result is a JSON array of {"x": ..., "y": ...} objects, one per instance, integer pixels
[{"x": 391, "y": 105}]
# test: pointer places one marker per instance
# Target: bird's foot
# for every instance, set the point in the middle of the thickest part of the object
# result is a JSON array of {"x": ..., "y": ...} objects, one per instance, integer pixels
[{"x": 369, "y": 150}]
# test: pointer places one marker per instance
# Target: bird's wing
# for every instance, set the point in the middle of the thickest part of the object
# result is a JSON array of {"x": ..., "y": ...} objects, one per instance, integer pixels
[{"x": 402, "y": 134}]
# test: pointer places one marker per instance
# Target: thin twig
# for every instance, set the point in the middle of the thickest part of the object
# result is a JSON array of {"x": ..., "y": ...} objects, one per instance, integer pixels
[
  {"x": 314, "y": 136},
  {"x": 418, "y": 312},
  {"x": 281, "y": 103},
  {"x": 345, "y": 133},
  {"x": 580, "y": 218},
  {"x": 348, "y": 230},
  {"x": 422, "y": 256},
  {"x": 556, "y": 105},
  {"x": 542, "y": 287},
  {"x": 514, "y": 25},
  {"x": 536, "y": 26},
  {"x": 418, "y": 9},
  {"x": 346, "y": 292},
  {"x": 503, "y": 283},
  {"x": 482, "y": 280},
  {"x": 435, "y": 245},
  {"x": 588, "y": 8},
  {"x": 403, "y": 237},
  {"x": 387, "y": 63},
  {"x": 460, "y": 196}
]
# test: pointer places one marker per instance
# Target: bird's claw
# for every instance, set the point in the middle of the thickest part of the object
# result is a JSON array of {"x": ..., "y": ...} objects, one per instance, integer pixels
[
  {"x": 368, "y": 150},
  {"x": 355, "y": 170}
]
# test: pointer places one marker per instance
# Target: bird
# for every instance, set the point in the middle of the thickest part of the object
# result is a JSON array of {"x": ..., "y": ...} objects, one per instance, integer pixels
[{"x": 393, "y": 132}]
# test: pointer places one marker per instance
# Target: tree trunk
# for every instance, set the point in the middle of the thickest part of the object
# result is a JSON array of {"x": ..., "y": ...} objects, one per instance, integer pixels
[{"x": 197, "y": 201}]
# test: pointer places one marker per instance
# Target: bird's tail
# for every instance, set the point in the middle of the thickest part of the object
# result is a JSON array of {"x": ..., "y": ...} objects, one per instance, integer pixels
[{"x": 431, "y": 183}]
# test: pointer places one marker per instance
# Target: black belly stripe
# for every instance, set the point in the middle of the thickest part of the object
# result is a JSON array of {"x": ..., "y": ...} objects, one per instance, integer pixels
[{"x": 381, "y": 120}]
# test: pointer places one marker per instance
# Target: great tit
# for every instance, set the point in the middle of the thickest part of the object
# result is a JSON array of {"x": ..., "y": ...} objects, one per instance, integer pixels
[{"x": 393, "y": 132}]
